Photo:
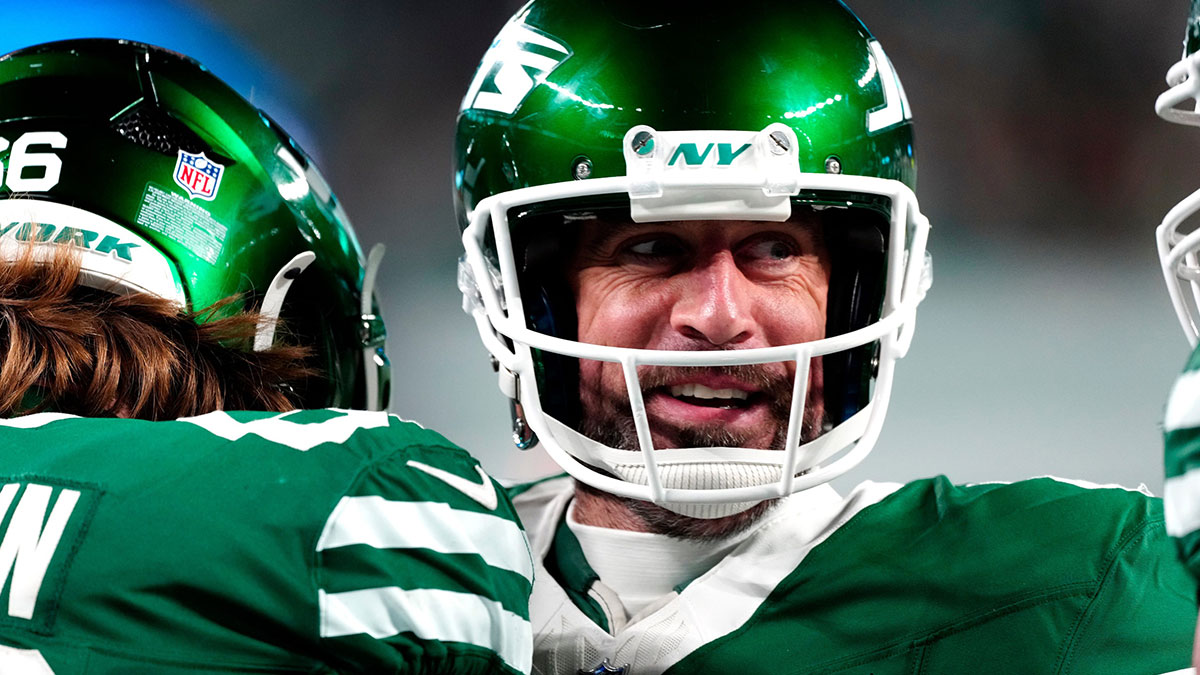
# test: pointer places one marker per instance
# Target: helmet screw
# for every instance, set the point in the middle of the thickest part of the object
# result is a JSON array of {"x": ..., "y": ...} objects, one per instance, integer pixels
[
  {"x": 780, "y": 143},
  {"x": 642, "y": 143},
  {"x": 582, "y": 168},
  {"x": 833, "y": 165}
]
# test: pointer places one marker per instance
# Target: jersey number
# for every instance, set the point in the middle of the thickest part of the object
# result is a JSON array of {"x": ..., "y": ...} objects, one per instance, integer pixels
[{"x": 21, "y": 159}]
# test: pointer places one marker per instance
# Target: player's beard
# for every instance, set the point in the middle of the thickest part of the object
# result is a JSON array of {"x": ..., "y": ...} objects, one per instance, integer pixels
[{"x": 608, "y": 419}]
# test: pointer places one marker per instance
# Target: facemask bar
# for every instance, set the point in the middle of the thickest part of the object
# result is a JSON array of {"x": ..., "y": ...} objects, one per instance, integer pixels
[
  {"x": 1183, "y": 80},
  {"x": 1181, "y": 264},
  {"x": 372, "y": 334},
  {"x": 495, "y": 304}
]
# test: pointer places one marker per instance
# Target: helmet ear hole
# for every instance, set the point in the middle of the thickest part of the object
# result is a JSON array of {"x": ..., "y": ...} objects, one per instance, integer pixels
[{"x": 857, "y": 246}]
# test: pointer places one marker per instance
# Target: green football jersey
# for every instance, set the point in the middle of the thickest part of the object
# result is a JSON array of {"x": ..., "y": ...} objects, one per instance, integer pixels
[
  {"x": 1181, "y": 442},
  {"x": 314, "y": 541},
  {"x": 928, "y": 578}
]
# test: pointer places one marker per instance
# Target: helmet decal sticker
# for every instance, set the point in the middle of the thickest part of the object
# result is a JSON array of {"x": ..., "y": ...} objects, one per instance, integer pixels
[
  {"x": 895, "y": 107},
  {"x": 63, "y": 234},
  {"x": 182, "y": 220},
  {"x": 198, "y": 174},
  {"x": 112, "y": 256},
  {"x": 504, "y": 79},
  {"x": 21, "y": 158}
]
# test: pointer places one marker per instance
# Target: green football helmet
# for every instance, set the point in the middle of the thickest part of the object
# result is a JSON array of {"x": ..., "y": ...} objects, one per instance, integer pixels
[
  {"x": 1178, "y": 239},
  {"x": 652, "y": 111},
  {"x": 167, "y": 181}
]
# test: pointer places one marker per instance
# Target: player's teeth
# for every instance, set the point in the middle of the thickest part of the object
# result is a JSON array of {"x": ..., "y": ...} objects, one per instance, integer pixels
[
  {"x": 683, "y": 390},
  {"x": 701, "y": 391}
]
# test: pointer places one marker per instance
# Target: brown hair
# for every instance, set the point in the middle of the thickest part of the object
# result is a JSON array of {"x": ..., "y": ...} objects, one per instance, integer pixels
[{"x": 87, "y": 352}]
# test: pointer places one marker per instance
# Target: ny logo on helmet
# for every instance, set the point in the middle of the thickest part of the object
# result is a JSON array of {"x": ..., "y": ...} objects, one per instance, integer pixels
[
  {"x": 519, "y": 59},
  {"x": 691, "y": 154}
]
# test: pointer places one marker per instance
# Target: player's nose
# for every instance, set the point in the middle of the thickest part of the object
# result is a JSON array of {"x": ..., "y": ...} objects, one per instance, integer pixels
[{"x": 715, "y": 302}]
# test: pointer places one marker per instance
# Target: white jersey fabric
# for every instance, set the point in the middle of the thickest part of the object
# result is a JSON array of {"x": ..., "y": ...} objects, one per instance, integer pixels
[{"x": 679, "y": 622}]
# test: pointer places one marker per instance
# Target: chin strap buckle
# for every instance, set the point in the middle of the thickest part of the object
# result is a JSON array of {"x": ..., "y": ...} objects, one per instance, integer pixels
[{"x": 522, "y": 436}]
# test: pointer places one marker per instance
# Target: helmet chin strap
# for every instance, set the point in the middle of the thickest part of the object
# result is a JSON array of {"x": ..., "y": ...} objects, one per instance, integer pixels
[
  {"x": 703, "y": 468},
  {"x": 272, "y": 302}
]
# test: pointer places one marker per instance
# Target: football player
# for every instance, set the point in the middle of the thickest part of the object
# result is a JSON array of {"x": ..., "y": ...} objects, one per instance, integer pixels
[
  {"x": 693, "y": 250},
  {"x": 1178, "y": 246},
  {"x": 156, "y": 230}
]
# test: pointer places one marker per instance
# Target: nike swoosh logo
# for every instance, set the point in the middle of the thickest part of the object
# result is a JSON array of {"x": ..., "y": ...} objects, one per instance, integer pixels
[{"x": 483, "y": 492}]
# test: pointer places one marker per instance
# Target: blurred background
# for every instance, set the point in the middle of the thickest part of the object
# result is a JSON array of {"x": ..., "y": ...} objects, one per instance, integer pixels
[{"x": 1047, "y": 344}]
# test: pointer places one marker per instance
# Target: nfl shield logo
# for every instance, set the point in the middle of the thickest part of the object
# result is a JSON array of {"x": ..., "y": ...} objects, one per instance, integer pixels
[{"x": 199, "y": 175}]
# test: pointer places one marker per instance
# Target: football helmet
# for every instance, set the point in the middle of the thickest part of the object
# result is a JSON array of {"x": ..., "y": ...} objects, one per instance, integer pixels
[
  {"x": 1179, "y": 241},
  {"x": 650, "y": 112},
  {"x": 167, "y": 181}
]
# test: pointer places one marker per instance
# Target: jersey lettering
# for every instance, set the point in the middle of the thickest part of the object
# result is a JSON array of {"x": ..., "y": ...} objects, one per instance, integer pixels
[{"x": 30, "y": 541}]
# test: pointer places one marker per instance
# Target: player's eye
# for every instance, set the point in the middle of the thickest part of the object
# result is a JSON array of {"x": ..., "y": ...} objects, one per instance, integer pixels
[
  {"x": 653, "y": 250},
  {"x": 770, "y": 248},
  {"x": 772, "y": 254}
]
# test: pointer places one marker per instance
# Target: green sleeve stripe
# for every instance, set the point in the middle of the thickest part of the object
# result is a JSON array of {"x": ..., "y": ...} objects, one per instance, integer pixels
[
  {"x": 357, "y": 567},
  {"x": 1182, "y": 451},
  {"x": 1188, "y": 546},
  {"x": 431, "y": 615},
  {"x": 520, "y": 488},
  {"x": 382, "y": 523}
]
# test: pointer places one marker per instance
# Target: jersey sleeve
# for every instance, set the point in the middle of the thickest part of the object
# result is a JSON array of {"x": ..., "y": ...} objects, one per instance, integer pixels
[
  {"x": 1181, "y": 442},
  {"x": 1142, "y": 606},
  {"x": 423, "y": 567}
]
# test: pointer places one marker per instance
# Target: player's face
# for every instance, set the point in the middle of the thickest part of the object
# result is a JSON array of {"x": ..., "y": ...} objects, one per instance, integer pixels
[{"x": 699, "y": 285}]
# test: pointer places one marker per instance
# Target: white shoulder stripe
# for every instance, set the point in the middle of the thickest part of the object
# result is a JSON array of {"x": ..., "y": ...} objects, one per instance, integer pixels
[
  {"x": 1183, "y": 407},
  {"x": 431, "y": 615},
  {"x": 1085, "y": 484},
  {"x": 1181, "y": 503},
  {"x": 381, "y": 523},
  {"x": 35, "y": 420},
  {"x": 279, "y": 429}
]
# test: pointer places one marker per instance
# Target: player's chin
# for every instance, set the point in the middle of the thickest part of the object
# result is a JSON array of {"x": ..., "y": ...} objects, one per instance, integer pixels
[
  {"x": 664, "y": 521},
  {"x": 667, "y": 434}
]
